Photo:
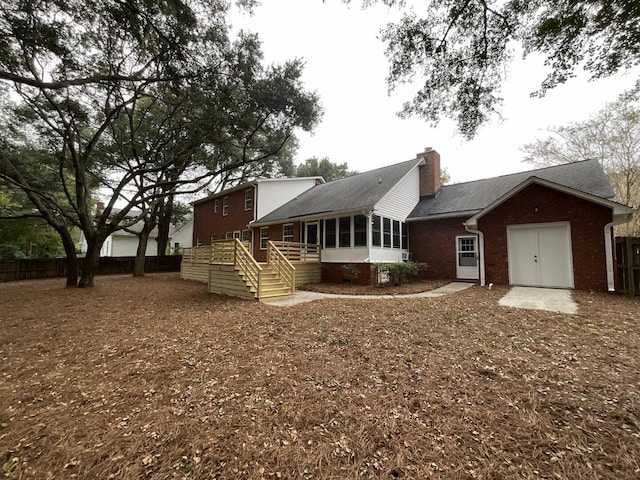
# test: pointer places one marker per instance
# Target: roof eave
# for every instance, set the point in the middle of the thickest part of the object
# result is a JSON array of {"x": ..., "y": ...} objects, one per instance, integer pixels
[
  {"x": 616, "y": 207},
  {"x": 313, "y": 216},
  {"x": 439, "y": 216}
]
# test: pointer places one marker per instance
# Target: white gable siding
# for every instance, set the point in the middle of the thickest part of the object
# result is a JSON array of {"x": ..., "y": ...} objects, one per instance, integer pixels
[
  {"x": 273, "y": 193},
  {"x": 183, "y": 236},
  {"x": 127, "y": 246},
  {"x": 402, "y": 198}
]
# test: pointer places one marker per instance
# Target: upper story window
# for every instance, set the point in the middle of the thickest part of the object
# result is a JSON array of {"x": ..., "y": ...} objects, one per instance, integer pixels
[
  {"x": 215, "y": 206},
  {"x": 248, "y": 199},
  {"x": 225, "y": 205}
]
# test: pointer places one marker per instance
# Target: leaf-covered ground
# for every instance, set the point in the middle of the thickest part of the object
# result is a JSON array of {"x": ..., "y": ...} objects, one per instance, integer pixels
[{"x": 156, "y": 378}]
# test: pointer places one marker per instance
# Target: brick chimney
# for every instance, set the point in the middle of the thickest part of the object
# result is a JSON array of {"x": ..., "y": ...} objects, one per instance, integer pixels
[{"x": 429, "y": 173}]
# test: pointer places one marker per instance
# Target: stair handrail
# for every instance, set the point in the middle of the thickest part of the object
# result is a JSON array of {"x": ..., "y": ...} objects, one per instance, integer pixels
[
  {"x": 281, "y": 264},
  {"x": 247, "y": 266}
]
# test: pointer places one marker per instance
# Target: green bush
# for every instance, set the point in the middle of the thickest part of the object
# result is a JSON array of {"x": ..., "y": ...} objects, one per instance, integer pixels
[{"x": 402, "y": 272}]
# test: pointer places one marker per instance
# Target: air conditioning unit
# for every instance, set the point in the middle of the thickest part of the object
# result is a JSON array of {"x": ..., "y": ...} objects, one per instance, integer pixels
[{"x": 406, "y": 256}]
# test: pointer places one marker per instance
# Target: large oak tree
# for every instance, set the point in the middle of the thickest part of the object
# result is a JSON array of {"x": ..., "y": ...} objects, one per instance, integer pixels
[
  {"x": 458, "y": 51},
  {"x": 81, "y": 68}
]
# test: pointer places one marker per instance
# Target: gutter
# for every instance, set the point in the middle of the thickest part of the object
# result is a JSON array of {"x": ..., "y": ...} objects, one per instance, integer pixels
[
  {"x": 608, "y": 249},
  {"x": 480, "y": 252}
]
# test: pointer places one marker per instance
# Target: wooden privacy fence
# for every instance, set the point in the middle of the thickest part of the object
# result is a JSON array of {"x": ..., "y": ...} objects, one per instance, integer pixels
[
  {"x": 28, "y": 269},
  {"x": 628, "y": 265}
]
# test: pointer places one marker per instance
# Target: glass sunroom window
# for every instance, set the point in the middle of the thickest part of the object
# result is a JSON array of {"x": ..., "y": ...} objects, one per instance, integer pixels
[
  {"x": 344, "y": 234},
  {"x": 330, "y": 233},
  {"x": 386, "y": 225},
  {"x": 360, "y": 231},
  {"x": 376, "y": 231}
]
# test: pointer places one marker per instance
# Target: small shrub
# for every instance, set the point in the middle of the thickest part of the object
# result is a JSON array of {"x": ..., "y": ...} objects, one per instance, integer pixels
[{"x": 401, "y": 272}]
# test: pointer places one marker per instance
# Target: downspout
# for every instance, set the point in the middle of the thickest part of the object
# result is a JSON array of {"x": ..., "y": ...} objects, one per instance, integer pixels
[
  {"x": 255, "y": 217},
  {"x": 608, "y": 250},
  {"x": 480, "y": 251}
]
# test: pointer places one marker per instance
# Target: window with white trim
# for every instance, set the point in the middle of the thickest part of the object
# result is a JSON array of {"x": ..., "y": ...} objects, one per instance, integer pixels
[
  {"x": 330, "y": 233},
  {"x": 228, "y": 236},
  {"x": 360, "y": 231},
  {"x": 386, "y": 232},
  {"x": 225, "y": 206},
  {"x": 236, "y": 234},
  {"x": 344, "y": 231},
  {"x": 287, "y": 232},
  {"x": 264, "y": 237},
  {"x": 215, "y": 206},
  {"x": 405, "y": 242},
  {"x": 246, "y": 235},
  {"x": 396, "y": 234},
  {"x": 376, "y": 230},
  {"x": 248, "y": 199}
]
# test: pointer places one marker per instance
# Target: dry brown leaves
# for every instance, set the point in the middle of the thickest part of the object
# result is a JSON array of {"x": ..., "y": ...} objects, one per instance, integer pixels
[{"x": 156, "y": 378}]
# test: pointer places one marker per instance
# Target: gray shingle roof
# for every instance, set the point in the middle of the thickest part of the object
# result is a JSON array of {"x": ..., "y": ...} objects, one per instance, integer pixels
[
  {"x": 358, "y": 191},
  {"x": 586, "y": 176}
]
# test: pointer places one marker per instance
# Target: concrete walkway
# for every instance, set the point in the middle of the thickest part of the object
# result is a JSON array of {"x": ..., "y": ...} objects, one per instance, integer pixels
[
  {"x": 551, "y": 299},
  {"x": 302, "y": 296}
]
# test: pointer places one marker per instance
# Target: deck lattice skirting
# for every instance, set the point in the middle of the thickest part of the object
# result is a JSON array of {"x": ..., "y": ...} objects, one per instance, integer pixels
[{"x": 228, "y": 268}]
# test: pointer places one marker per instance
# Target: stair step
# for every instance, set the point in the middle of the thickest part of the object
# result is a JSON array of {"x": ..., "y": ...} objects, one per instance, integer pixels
[{"x": 280, "y": 292}]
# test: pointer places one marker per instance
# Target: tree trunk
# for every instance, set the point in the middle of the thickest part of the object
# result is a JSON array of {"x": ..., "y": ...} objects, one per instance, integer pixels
[
  {"x": 143, "y": 239},
  {"x": 164, "y": 224},
  {"x": 90, "y": 265},
  {"x": 72, "y": 260}
]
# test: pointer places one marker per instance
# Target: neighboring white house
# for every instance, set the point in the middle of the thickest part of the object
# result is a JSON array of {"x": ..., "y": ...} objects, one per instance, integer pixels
[
  {"x": 125, "y": 244},
  {"x": 182, "y": 236}
]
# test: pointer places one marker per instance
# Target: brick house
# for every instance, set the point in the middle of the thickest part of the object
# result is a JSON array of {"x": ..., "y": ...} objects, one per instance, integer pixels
[
  {"x": 551, "y": 227},
  {"x": 229, "y": 214}
]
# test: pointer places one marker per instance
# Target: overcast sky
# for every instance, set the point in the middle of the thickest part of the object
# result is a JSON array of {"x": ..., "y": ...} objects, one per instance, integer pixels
[{"x": 345, "y": 64}]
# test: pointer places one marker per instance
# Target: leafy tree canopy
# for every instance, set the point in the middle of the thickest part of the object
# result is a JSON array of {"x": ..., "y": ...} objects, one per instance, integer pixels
[
  {"x": 143, "y": 99},
  {"x": 459, "y": 50},
  {"x": 323, "y": 167},
  {"x": 612, "y": 136}
]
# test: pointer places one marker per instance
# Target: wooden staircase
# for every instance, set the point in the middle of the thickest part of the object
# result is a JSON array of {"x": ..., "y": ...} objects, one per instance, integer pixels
[
  {"x": 230, "y": 269},
  {"x": 272, "y": 284}
]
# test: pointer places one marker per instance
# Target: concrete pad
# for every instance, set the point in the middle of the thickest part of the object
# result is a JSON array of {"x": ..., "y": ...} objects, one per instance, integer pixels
[
  {"x": 551, "y": 299},
  {"x": 302, "y": 296}
]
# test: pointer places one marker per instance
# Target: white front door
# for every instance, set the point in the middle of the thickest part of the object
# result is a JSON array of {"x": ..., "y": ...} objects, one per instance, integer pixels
[
  {"x": 467, "y": 258},
  {"x": 540, "y": 255}
]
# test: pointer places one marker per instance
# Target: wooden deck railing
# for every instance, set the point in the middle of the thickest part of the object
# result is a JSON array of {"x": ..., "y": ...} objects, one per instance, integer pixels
[
  {"x": 281, "y": 264},
  {"x": 300, "y": 252},
  {"x": 280, "y": 256},
  {"x": 200, "y": 254},
  {"x": 223, "y": 252}
]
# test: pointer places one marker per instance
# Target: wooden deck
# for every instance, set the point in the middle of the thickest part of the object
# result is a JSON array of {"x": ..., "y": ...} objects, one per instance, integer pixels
[{"x": 228, "y": 268}]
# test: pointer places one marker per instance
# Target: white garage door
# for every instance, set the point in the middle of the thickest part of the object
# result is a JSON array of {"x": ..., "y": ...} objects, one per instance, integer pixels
[{"x": 540, "y": 255}]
